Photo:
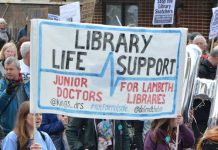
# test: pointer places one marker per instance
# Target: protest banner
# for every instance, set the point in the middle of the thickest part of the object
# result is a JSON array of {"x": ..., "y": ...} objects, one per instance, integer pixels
[
  {"x": 214, "y": 24},
  {"x": 163, "y": 12},
  {"x": 70, "y": 12},
  {"x": 99, "y": 71}
]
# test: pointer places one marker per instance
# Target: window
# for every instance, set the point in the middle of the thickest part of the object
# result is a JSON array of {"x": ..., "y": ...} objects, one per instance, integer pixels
[{"x": 121, "y": 14}]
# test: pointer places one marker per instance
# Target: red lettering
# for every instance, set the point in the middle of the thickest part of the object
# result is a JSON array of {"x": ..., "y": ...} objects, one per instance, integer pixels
[
  {"x": 92, "y": 96},
  {"x": 65, "y": 93},
  {"x": 84, "y": 82},
  {"x": 59, "y": 92},
  {"x": 85, "y": 95},
  {"x": 71, "y": 94},
  {"x": 99, "y": 96}
]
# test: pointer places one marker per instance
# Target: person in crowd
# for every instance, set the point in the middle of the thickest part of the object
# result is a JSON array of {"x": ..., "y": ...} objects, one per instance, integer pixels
[
  {"x": 25, "y": 62},
  {"x": 54, "y": 126},
  {"x": 209, "y": 141},
  {"x": 215, "y": 42},
  {"x": 19, "y": 43},
  {"x": 137, "y": 137},
  {"x": 22, "y": 31},
  {"x": 207, "y": 70},
  {"x": 4, "y": 35},
  {"x": 191, "y": 37},
  {"x": 2, "y": 135},
  {"x": 200, "y": 41},
  {"x": 21, "y": 138},
  {"x": 66, "y": 121},
  {"x": 13, "y": 91},
  {"x": 97, "y": 134},
  {"x": 9, "y": 49},
  {"x": 162, "y": 135}
]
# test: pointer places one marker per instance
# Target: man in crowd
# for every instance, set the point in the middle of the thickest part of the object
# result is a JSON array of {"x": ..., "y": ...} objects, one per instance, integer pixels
[
  {"x": 13, "y": 91},
  {"x": 200, "y": 41}
]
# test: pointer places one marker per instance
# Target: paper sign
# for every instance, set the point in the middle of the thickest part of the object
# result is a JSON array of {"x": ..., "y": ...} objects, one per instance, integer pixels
[
  {"x": 70, "y": 12},
  {"x": 214, "y": 24},
  {"x": 163, "y": 12}
]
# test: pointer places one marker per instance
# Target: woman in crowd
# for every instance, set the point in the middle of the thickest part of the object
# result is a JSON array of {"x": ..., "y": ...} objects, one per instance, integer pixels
[
  {"x": 162, "y": 135},
  {"x": 21, "y": 138},
  {"x": 209, "y": 141},
  {"x": 9, "y": 49}
]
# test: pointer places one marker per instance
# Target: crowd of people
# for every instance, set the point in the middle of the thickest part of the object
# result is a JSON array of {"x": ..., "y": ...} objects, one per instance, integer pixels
[{"x": 66, "y": 133}]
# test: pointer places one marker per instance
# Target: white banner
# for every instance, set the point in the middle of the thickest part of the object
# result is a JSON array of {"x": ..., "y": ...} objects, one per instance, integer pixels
[
  {"x": 214, "y": 24},
  {"x": 98, "y": 71},
  {"x": 163, "y": 12}
]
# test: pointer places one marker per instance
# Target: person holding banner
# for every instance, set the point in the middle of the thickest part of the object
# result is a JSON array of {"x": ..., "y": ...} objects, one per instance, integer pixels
[
  {"x": 207, "y": 70},
  {"x": 13, "y": 92},
  {"x": 21, "y": 138},
  {"x": 97, "y": 134},
  {"x": 209, "y": 141},
  {"x": 162, "y": 135}
]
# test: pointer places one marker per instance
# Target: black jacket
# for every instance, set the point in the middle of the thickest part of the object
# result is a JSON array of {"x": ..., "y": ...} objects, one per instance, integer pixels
[
  {"x": 206, "y": 70},
  {"x": 209, "y": 145},
  {"x": 81, "y": 134}
]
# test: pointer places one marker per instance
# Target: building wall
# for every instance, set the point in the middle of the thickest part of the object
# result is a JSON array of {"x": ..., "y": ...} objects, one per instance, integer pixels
[
  {"x": 16, "y": 14},
  {"x": 194, "y": 15}
]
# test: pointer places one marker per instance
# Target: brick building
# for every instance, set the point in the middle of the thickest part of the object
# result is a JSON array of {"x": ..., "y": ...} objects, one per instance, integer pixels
[{"x": 192, "y": 14}]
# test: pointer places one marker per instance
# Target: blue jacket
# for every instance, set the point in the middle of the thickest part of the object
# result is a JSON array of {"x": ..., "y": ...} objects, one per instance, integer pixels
[
  {"x": 9, "y": 103},
  {"x": 54, "y": 127},
  {"x": 10, "y": 141},
  {"x": 51, "y": 124},
  {"x": 22, "y": 32}
]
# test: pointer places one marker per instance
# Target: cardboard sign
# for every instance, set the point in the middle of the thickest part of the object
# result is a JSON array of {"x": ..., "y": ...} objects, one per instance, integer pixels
[{"x": 99, "y": 71}]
